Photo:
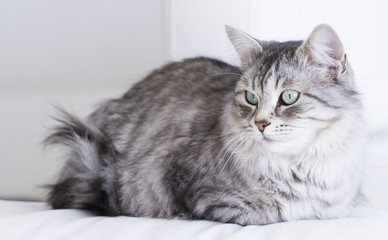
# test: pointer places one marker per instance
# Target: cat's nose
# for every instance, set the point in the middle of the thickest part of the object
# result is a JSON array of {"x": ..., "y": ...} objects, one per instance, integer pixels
[{"x": 262, "y": 124}]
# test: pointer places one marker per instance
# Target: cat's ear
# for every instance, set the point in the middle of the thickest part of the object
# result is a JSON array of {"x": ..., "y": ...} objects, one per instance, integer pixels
[
  {"x": 246, "y": 46},
  {"x": 324, "y": 47}
]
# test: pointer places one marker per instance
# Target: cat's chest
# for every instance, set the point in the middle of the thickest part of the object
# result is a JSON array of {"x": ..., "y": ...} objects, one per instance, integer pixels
[
  {"x": 299, "y": 199},
  {"x": 315, "y": 191}
]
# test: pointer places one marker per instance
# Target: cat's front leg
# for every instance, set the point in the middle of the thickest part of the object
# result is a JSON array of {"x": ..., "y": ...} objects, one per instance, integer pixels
[{"x": 234, "y": 208}]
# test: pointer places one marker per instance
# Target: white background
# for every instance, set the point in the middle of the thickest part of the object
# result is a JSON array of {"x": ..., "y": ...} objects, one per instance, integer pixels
[{"x": 76, "y": 53}]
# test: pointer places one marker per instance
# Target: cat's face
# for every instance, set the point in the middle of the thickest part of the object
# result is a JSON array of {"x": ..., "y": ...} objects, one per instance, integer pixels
[{"x": 285, "y": 100}]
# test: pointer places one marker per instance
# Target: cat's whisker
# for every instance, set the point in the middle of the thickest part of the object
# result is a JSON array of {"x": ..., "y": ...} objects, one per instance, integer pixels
[
  {"x": 226, "y": 146},
  {"x": 234, "y": 131},
  {"x": 223, "y": 135},
  {"x": 229, "y": 148},
  {"x": 222, "y": 152},
  {"x": 231, "y": 155},
  {"x": 296, "y": 126},
  {"x": 285, "y": 130}
]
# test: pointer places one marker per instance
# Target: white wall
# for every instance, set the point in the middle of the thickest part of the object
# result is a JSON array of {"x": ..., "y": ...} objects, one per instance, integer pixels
[
  {"x": 78, "y": 41},
  {"x": 73, "y": 53}
]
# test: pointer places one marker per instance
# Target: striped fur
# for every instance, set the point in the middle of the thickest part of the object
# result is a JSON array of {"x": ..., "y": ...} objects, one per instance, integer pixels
[{"x": 183, "y": 142}]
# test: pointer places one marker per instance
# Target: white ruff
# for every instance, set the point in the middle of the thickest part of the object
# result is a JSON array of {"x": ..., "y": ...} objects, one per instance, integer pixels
[{"x": 329, "y": 169}]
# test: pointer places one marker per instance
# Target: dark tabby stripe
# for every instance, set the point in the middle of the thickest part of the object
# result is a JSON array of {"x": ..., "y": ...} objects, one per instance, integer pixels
[
  {"x": 320, "y": 100},
  {"x": 330, "y": 120}
]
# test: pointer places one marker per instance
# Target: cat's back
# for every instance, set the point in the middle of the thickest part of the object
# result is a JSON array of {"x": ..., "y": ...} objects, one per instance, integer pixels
[
  {"x": 181, "y": 99},
  {"x": 183, "y": 78},
  {"x": 171, "y": 95}
]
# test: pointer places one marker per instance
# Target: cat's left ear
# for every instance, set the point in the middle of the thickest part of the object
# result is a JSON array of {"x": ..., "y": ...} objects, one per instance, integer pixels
[
  {"x": 325, "y": 48},
  {"x": 246, "y": 46}
]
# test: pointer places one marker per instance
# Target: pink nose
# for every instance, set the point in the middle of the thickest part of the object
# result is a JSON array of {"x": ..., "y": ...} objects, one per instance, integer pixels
[{"x": 262, "y": 124}]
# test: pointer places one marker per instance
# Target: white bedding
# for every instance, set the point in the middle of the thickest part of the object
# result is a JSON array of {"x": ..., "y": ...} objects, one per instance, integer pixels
[{"x": 34, "y": 220}]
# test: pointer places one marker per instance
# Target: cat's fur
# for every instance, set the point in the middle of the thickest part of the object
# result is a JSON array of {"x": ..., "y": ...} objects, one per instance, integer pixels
[{"x": 183, "y": 142}]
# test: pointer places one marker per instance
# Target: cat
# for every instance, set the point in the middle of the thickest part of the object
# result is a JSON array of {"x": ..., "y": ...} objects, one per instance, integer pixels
[{"x": 279, "y": 138}]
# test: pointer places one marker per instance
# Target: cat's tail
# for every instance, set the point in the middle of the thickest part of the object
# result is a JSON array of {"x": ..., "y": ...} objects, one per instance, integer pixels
[{"x": 87, "y": 180}]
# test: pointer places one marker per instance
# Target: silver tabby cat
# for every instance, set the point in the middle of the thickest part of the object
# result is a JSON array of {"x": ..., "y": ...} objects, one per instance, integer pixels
[{"x": 278, "y": 139}]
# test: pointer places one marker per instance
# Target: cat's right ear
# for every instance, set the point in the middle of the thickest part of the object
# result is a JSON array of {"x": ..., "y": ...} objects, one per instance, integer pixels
[
  {"x": 246, "y": 46},
  {"x": 324, "y": 47}
]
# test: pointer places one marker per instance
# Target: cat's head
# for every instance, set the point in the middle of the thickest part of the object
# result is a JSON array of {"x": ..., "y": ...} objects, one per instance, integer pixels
[{"x": 292, "y": 93}]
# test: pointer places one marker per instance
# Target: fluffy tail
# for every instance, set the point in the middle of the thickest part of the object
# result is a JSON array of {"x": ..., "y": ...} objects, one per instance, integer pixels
[{"x": 87, "y": 180}]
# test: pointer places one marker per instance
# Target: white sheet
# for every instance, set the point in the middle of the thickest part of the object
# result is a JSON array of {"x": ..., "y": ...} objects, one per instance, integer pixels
[{"x": 34, "y": 220}]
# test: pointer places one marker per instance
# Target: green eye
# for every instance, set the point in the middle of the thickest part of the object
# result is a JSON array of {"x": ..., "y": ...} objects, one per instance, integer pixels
[
  {"x": 289, "y": 97},
  {"x": 251, "y": 98}
]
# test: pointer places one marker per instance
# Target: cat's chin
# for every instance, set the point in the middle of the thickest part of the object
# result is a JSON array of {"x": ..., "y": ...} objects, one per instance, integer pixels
[
  {"x": 281, "y": 146},
  {"x": 284, "y": 148}
]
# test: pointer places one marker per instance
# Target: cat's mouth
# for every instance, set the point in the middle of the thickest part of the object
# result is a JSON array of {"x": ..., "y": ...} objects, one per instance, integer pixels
[
  {"x": 269, "y": 138},
  {"x": 263, "y": 138}
]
